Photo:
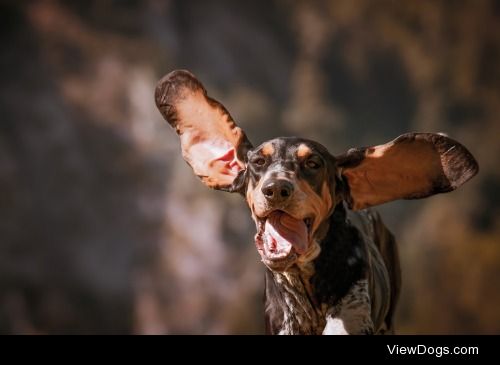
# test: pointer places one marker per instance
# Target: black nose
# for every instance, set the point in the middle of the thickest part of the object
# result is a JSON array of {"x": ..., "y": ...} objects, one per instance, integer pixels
[{"x": 277, "y": 190}]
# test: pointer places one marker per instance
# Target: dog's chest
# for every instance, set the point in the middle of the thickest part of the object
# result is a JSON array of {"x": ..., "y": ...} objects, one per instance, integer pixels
[{"x": 301, "y": 313}]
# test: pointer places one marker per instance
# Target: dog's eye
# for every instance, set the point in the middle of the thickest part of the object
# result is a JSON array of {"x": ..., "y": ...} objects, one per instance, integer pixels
[
  {"x": 313, "y": 163},
  {"x": 259, "y": 161}
]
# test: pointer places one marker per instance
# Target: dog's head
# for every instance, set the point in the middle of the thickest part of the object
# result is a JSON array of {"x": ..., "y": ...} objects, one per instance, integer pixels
[{"x": 292, "y": 184}]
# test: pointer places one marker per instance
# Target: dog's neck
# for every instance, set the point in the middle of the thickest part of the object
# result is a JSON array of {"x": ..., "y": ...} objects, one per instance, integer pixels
[
  {"x": 301, "y": 313},
  {"x": 298, "y": 300}
]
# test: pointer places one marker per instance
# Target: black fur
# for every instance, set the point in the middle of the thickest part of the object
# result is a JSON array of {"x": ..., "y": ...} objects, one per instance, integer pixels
[{"x": 339, "y": 265}]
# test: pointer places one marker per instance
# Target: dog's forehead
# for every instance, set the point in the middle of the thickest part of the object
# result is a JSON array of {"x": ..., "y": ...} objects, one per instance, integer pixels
[{"x": 287, "y": 147}]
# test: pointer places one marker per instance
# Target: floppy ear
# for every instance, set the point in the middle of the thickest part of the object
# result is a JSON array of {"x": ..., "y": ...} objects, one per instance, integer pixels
[
  {"x": 413, "y": 166},
  {"x": 211, "y": 143}
]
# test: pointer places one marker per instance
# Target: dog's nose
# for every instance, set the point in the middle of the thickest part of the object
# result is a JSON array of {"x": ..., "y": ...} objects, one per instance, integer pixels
[{"x": 277, "y": 190}]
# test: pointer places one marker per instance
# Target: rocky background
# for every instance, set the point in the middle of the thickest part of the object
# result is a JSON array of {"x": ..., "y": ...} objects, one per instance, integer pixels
[{"x": 104, "y": 229}]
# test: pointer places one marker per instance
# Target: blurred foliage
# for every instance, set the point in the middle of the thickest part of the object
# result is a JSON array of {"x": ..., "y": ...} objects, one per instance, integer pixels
[{"x": 103, "y": 227}]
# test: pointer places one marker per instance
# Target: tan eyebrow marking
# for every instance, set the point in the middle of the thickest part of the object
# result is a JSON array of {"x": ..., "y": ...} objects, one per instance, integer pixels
[
  {"x": 267, "y": 149},
  {"x": 303, "y": 151}
]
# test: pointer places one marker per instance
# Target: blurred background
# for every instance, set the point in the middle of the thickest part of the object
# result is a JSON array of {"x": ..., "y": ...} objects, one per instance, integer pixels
[{"x": 103, "y": 227}]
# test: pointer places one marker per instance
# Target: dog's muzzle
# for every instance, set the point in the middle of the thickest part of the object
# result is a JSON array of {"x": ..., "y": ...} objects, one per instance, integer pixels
[
  {"x": 277, "y": 190},
  {"x": 281, "y": 239}
]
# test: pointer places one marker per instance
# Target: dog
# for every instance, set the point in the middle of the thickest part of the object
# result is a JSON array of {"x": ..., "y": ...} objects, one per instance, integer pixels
[{"x": 332, "y": 265}]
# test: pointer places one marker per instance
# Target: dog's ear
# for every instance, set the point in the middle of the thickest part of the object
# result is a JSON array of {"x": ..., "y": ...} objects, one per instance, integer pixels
[
  {"x": 413, "y": 166},
  {"x": 211, "y": 143}
]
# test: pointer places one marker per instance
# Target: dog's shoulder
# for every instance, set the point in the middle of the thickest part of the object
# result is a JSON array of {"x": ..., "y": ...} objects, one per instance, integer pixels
[{"x": 383, "y": 269}]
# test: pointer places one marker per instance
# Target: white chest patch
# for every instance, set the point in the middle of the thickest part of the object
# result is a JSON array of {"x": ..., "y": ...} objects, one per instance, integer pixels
[
  {"x": 352, "y": 315},
  {"x": 334, "y": 326}
]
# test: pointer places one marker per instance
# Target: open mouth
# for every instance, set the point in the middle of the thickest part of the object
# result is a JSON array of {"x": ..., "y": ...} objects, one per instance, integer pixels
[{"x": 281, "y": 238}]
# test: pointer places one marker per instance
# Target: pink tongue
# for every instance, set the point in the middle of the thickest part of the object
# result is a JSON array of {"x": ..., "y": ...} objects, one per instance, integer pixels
[{"x": 287, "y": 231}]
